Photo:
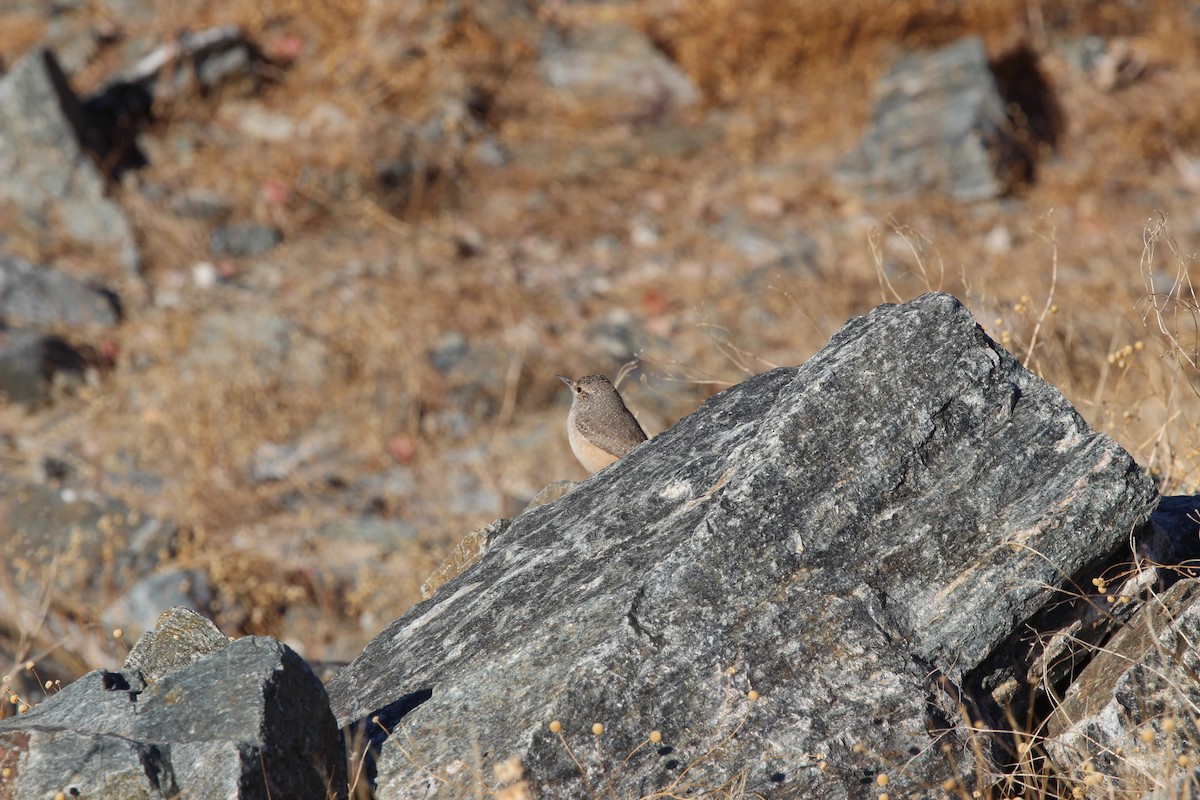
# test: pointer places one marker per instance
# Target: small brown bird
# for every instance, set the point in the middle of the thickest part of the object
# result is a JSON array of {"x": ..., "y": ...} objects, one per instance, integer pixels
[{"x": 599, "y": 426}]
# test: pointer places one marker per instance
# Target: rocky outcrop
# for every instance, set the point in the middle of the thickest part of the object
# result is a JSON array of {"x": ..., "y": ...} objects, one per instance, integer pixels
[
  {"x": 189, "y": 717},
  {"x": 827, "y": 579},
  {"x": 799, "y": 587}
]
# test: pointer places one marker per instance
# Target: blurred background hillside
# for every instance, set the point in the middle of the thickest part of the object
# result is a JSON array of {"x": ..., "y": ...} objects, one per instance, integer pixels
[{"x": 351, "y": 242}]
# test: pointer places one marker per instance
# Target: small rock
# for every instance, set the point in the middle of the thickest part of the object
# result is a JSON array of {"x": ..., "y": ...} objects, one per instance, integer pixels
[
  {"x": 1108, "y": 64},
  {"x": 204, "y": 274},
  {"x": 71, "y": 543},
  {"x": 208, "y": 60},
  {"x": 765, "y": 206},
  {"x": 43, "y": 296},
  {"x": 277, "y": 462},
  {"x": 257, "y": 122},
  {"x": 1142, "y": 680},
  {"x": 450, "y": 349},
  {"x": 487, "y": 152},
  {"x": 31, "y": 362},
  {"x": 388, "y": 534},
  {"x": 611, "y": 69},
  {"x": 325, "y": 120},
  {"x": 465, "y": 555},
  {"x": 179, "y": 637},
  {"x": 618, "y": 338},
  {"x": 84, "y": 544},
  {"x": 244, "y": 240},
  {"x": 201, "y": 204},
  {"x": 643, "y": 234},
  {"x": 73, "y": 41},
  {"x": 999, "y": 240},
  {"x": 401, "y": 448},
  {"x": 549, "y": 493}
]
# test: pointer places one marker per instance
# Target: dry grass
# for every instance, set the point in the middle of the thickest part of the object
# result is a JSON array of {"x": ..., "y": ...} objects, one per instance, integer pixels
[{"x": 1075, "y": 274}]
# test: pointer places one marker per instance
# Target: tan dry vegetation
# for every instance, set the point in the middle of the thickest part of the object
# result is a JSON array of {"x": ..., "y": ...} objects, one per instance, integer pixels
[{"x": 511, "y": 256}]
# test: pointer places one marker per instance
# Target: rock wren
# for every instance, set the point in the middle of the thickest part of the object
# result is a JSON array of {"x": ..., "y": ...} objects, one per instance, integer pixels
[{"x": 599, "y": 426}]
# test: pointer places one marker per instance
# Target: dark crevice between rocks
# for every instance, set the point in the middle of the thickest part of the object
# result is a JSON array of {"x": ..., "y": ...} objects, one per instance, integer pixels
[
  {"x": 1016, "y": 689},
  {"x": 945, "y": 704},
  {"x": 1035, "y": 119},
  {"x": 119, "y": 682},
  {"x": 364, "y": 736},
  {"x": 156, "y": 761},
  {"x": 106, "y": 125},
  {"x": 113, "y": 120}
]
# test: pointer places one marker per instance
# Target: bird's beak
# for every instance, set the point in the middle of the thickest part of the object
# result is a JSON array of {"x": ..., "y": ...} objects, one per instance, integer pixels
[{"x": 566, "y": 380}]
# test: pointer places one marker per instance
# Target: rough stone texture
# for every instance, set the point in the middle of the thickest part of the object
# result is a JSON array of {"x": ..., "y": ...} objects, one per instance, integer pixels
[
  {"x": 43, "y": 296},
  {"x": 614, "y": 70},
  {"x": 835, "y": 536},
  {"x": 44, "y": 171},
  {"x": 247, "y": 720},
  {"x": 466, "y": 553},
  {"x": 180, "y": 637},
  {"x": 32, "y": 361},
  {"x": 938, "y": 124},
  {"x": 1143, "y": 676},
  {"x": 136, "y": 612}
]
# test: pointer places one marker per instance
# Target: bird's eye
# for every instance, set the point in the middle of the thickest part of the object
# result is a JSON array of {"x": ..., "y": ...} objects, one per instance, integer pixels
[{"x": 578, "y": 390}]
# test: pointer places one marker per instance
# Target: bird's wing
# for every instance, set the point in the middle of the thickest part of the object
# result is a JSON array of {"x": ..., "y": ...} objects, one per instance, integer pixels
[{"x": 617, "y": 435}]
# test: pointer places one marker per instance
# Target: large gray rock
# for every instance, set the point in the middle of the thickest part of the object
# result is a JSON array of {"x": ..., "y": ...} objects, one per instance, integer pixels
[
  {"x": 43, "y": 296},
  {"x": 938, "y": 124},
  {"x": 852, "y": 539},
  {"x": 44, "y": 171},
  {"x": 246, "y": 720}
]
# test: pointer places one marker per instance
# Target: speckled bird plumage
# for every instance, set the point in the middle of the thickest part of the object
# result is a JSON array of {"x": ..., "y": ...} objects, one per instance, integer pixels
[{"x": 599, "y": 426}]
